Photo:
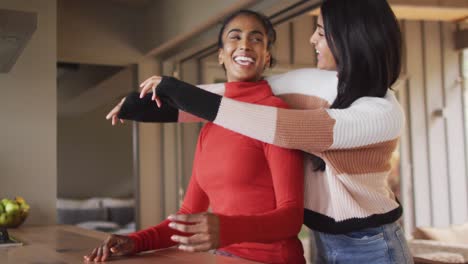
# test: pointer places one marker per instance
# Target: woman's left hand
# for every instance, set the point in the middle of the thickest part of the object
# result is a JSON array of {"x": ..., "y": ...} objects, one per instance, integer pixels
[
  {"x": 114, "y": 113},
  {"x": 150, "y": 84},
  {"x": 203, "y": 226}
]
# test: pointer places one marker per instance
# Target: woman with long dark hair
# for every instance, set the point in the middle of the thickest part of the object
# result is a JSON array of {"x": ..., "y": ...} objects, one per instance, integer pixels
[{"x": 349, "y": 124}]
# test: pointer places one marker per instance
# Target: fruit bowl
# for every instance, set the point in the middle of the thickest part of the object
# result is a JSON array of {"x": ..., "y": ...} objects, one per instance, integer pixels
[{"x": 13, "y": 212}]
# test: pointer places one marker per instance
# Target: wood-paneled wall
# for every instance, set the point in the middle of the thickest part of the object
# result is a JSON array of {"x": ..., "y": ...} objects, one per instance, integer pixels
[{"x": 435, "y": 185}]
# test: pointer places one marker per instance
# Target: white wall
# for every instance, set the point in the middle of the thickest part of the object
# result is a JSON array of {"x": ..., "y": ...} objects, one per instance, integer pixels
[{"x": 28, "y": 165}]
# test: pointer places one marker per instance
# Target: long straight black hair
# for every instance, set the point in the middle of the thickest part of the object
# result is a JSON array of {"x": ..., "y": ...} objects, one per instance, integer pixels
[{"x": 365, "y": 40}]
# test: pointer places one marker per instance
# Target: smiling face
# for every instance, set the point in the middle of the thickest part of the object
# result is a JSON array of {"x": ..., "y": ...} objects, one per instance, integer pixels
[
  {"x": 245, "y": 52},
  {"x": 325, "y": 58}
]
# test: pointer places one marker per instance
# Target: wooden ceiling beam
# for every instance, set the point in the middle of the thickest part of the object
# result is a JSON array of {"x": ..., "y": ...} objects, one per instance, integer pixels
[{"x": 433, "y": 12}]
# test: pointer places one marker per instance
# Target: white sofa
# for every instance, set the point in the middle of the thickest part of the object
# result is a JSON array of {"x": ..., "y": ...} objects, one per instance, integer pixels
[{"x": 103, "y": 214}]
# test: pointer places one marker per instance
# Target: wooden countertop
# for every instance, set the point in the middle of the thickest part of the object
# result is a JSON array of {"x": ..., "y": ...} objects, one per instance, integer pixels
[{"x": 60, "y": 244}]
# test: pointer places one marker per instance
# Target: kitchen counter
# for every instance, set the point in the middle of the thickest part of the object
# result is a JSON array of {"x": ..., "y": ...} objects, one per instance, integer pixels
[{"x": 60, "y": 244}]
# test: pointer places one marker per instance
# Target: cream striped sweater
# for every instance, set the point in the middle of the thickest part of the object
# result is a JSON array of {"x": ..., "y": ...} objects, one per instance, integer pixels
[{"x": 356, "y": 143}]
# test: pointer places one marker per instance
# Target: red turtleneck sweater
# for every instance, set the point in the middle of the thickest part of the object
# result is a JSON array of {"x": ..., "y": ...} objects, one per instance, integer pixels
[{"x": 255, "y": 188}]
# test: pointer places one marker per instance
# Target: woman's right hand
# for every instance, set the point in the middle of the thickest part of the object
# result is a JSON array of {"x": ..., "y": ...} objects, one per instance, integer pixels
[
  {"x": 150, "y": 84},
  {"x": 115, "y": 112},
  {"x": 114, "y": 245}
]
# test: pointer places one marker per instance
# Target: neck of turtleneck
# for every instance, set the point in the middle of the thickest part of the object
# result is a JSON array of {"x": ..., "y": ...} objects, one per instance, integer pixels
[{"x": 249, "y": 92}]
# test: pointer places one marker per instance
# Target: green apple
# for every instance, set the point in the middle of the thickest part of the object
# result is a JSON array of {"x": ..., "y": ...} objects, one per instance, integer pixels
[
  {"x": 24, "y": 207},
  {"x": 5, "y": 201},
  {"x": 12, "y": 208},
  {"x": 2, "y": 209},
  {"x": 4, "y": 219}
]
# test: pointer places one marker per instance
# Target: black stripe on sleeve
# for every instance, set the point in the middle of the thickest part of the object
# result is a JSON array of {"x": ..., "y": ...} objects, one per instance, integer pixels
[
  {"x": 145, "y": 110},
  {"x": 189, "y": 98}
]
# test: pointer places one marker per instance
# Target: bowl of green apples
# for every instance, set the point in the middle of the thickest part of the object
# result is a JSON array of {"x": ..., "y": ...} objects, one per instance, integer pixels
[{"x": 13, "y": 212}]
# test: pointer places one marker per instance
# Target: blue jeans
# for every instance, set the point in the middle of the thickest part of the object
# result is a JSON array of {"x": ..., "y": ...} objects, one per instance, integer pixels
[{"x": 379, "y": 245}]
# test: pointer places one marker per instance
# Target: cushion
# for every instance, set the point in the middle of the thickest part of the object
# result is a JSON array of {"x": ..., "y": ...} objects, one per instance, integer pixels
[
  {"x": 115, "y": 202},
  {"x": 453, "y": 234},
  {"x": 121, "y": 215},
  {"x": 74, "y": 216},
  {"x": 78, "y": 204}
]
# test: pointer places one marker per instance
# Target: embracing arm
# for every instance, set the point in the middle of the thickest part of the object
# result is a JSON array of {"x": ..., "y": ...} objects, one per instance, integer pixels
[
  {"x": 369, "y": 120},
  {"x": 293, "y": 87}
]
